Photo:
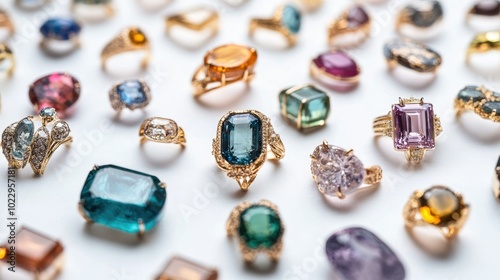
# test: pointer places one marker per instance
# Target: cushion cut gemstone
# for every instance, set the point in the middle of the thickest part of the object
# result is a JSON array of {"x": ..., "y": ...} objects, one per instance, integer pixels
[
  {"x": 413, "y": 126},
  {"x": 122, "y": 199},
  {"x": 358, "y": 254},
  {"x": 308, "y": 104},
  {"x": 471, "y": 93},
  {"x": 438, "y": 205},
  {"x": 232, "y": 60},
  {"x": 291, "y": 18},
  {"x": 23, "y": 137},
  {"x": 181, "y": 268},
  {"x": 132, "y": 93},
  {"x": 241, "y": 139},
  {"x": 60, "y": 28},
  {"x": 486, "y": 8},
  {"x": 412, "y": 55},
  {"x": 260, "y": 226},
  {"x": 58, "y": 90}
]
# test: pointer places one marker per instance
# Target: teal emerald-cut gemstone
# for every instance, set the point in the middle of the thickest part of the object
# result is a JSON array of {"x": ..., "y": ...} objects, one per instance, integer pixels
[
  {"x": 120, "y": 198},
  {"x": 241, "y": 138},
  {"x": 23, "y": 137},
  {"x": 470, "y": 93},
  {"x": 260, "y": 226},
  {"x": 291, "y": 18},
  {"x": 309, "y": 103},
  {"x": 491, "y": 106}
]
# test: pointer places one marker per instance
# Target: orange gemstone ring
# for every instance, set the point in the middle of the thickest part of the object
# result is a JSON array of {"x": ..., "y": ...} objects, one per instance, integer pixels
[
  {"x": 130, "y": 39},
  {"x": 224, "y": 65}
]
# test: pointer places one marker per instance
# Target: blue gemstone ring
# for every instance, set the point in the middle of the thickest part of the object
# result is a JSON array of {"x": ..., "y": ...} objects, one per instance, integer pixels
[
  {"x": 131, "y": 94},
  {"x": 60, "y": 36},
  {"x": 287, "y": 21},
  {"x": 161, "y": 130},
  {"x": 242, "y": 144}
]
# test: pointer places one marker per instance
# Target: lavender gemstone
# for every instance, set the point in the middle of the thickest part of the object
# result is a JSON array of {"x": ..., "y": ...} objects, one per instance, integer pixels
[
  {"x": 486, "y": 8},
  {"x": 413, "y": 126},
  {"x": 356, "y": 16},
  {"x": 337, "y": 63},
  {"x": 357, "y": 254}
]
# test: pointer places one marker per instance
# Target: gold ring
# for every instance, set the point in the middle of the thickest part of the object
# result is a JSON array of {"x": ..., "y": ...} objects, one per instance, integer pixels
[
  {"x": 420, "y": 19},
  {"x": 7, "y": 59},
  {"x": 199, "y": 19},
  {"x": 96, "y": 8},
  {"x": 22, "y": 144},
  {"x": 351, "y": 28},
  {"x": 259, "y": 229},
  {"x": 411, "y": 55},
  {"x": 6, "y": 22},
  {"x": 338, "y": 172},
  {"x": 437, "y": 206},
  {"x": 489, "y": 10},
  {"x": 60, "y": 36},
  {"x": 484, "y": 42},
  {"x": 286, "y": 21},
  {"x": 131, "y": 94},
  {"x": 412, "y": 125},
  {"x": 223, "y": 66},
  {"x": 31, "y": 5},
  {"x": 311, "y": 5},
  {"x": 161, "y": 130},
  {"x": 130, "y": 39},
  {"x": 496, "y": 181},
  {"x": 245, "y": 139},
  {"x": 480, "y": 100}
]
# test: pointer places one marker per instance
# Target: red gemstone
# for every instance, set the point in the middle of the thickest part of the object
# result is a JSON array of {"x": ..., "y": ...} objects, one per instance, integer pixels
[
  {"x": 57, "y": 90},
  {"x": 356, "y": 16},
  {"x": 337, "y": 63},
  {"x": 487, "y": 8}
]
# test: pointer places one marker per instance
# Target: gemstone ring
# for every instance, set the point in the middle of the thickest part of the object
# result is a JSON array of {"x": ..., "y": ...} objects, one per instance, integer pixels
[
  {"x": 97, "y": 9},
  {"x": 130, "y": 39},
  {"x": 412, "y": 125},
  {"x": 420, "y": 19},
  {"x": 351, "y": 28},
  {"x": 57, "y": 90},
  {"x": 161, "y": 130},
  {"x": 480, "y": 100},
  {"x": 6, "y": 22},
  {"x": 242, "y": 144},
  {"x": 22, "y": 144},
  {"x": 7, "y": 60},
  {"x": 130, "y": 94},
  {"x": 496, "y": 180},
  {"x": 437, "y": 206},
  {"x": 60, "y": 36},
  {"x": 411, "y": 55},
  {"x": 488, "y": 10},
  {"x": 286, "y": 21},
  {"x": 311, "y": 5},
  {"x": 484, "y": 42},
  {"x": 336, "y": 70},
  {"x": 180, "y": 268},
  {"x": 200, "y": 20},
  {"x": 259, "y": 229}
]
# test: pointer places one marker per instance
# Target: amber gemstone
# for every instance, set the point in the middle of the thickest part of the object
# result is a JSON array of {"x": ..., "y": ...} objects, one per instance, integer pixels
[
  {"x": 439, "y": 205},
  {"x": 181, "y": 269},
  {"x": 232, "y": 60},
  {"x": 137, "y": 36}
]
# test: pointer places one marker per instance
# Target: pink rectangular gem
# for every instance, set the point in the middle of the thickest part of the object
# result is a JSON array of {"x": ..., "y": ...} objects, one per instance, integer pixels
[{"x": 413, "y": 126}]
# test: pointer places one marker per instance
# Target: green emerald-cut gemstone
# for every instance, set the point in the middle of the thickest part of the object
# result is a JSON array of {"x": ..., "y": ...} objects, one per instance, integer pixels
[
  {"x": 491, "y": 106},
  {"x": 470, "y": 93},
  {"x": 260, "y": 226},
  {"x": 314, "y": 110},
  {"x": 120, "y": 198}
]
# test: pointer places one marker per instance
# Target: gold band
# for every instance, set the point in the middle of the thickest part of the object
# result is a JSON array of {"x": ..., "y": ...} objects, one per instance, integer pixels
[
  {"x": 340, "y": 27},
  {"x": 6, "y": 53},
  {"x": 129, "y": 39},
  {"x": 161, "y": 130},
  {"x": 203, "y": 84},
  {"x": 273, "y": 24},
  {"x": 182, "y": 19},
  {"x": 478, "y": 106},
  {"x": 484, "y": 42}
]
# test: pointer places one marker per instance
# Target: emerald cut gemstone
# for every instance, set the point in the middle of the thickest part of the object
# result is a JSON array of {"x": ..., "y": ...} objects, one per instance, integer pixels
[
  {"x": 291, "y": 18},
  {"x": 241, "y": 138},
  {"x": 260, "y": 226},
  {"x": 471, "y": 93},
  {"x": 308, "y": 107},
  {"x": 122, "y": 199}
]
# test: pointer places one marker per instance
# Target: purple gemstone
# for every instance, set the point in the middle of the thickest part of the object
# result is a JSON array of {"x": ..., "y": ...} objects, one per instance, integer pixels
[
  {"x": 487, "y": 8},
  {"x": 356, "y": 16},
  {"x": 357, "y": 254},
  {"x": 413, "y": 126},
  {"x": 337, "y": 63}
]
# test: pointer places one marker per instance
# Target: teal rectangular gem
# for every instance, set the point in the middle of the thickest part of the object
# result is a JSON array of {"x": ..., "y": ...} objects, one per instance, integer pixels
[{"x": 310, "y": 103}]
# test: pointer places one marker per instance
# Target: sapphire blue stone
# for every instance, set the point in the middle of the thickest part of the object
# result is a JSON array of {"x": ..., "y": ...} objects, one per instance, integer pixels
[
  {"x": 60, "y": 29},
  {"x": 241, "y": 139},
  {"x": 291, "y": 18},
  {"x": 132, "y": 93}
]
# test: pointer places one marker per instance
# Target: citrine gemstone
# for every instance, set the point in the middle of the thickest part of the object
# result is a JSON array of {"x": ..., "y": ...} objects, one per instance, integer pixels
[
  {"x": 307, "y": 105},
  {"x": 260, "y": 226},
  {"x": 137, "y": 36},
  {"x": 241, "y": 138},
  {"x": 439, "y": 205},
  {"x": 232, "y": 60},
  {"x": 182, "y": 269}
]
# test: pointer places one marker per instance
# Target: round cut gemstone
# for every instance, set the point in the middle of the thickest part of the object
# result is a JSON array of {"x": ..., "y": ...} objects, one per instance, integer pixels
[
  {"x": 58, "y": 90},
  {"x": 492, "y": 106},
  {"x": 131, "y": 92},
  {"x": 260, "y": 226},
  {"x": 232, "y": 60},
  {"x": 60, "y": 28},
  {"x": 439, "y": 205},
  {"x": 334, "y": 170},
  {"x": 356, "y": 17},
  {"x": 337, "y": 63},
  {"x": 23, "y": 137},
  {"x": 486, "y": 8},
  {"x": 412, "y": 55},
  {"x": 471, "y": 93},
  {"x": 291, "y": 18}
]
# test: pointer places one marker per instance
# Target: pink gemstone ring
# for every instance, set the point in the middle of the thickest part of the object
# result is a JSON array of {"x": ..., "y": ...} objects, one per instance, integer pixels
[
  {"x": 336, "y": 70},
  {"x": 351, "y": 28},
  {"x": 412, "y": 125}
]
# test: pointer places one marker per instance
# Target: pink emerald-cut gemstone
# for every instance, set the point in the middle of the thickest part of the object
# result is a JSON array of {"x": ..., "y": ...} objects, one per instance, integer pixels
[
  {"x": 413, "y": 126},
  {"x": 58, "y": 90},
  {"x": 356, "y": 17}
]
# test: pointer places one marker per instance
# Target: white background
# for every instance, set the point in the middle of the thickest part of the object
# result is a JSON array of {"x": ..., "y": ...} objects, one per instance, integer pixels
[{"x": 464, "y": 159}]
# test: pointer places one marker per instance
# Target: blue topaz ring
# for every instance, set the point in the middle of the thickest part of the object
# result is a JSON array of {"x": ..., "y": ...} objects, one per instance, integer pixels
[
  {"x": 130, "y": 94},
  {"x": 7, "y": 60},
  {"x": 130, "y": 39},
  {"x": 161, "y": 130},
  {"x": 60, "y": 36},
  {"x": 21, "y": 143},
  {"x": 245, "y": 139},
  {"x": 6, "y": 22},
  {"x": 258, "y": 228}
]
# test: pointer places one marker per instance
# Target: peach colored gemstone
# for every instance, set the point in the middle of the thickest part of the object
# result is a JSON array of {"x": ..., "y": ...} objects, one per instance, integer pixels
[
  {"x": 181, "y": 269},
  {"x": 229, "y": 59}
]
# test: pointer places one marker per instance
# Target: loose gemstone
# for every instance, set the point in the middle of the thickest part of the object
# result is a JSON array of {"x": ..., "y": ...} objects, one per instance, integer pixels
[
  {"x": 137, "y": 36},
  {"x": 492, "y": 106},
  {"x": 471, "y": 93},
  {"x": 308, "y": 104},
  {"x": 58, "y": 90},
  {"x": 358, "y": 254},
  {"x": 132, "y": 93},
  {"x": 260, "y": 227},
  {"x": 23, "y": 137},
  {"x": 486, "y": 8},
  {"x": 356, "y": 17},
  {"x": 337, "y": 63},
  {"x": 180, "y": 268},
  {"x": 413, "y": 126},
  {"x": 335, "y": 170},
  {"x": 291, "y": 18},
  {"x": 60, "y": 29},
  {"x": 241, "y": 137},
  {"x": 48, "y": 112},
  {"x": 412, "y": 55},
  {"x": 424, "y": 13},
  {"x": 232, "y": 60},
  {"x": 439, "y": 205},
  {"x": 122, "y": 199},
  {"x": 160, "y": 129}
]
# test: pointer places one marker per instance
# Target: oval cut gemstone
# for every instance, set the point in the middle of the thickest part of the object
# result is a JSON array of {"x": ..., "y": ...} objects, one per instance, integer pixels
[
  {"x": 413, "y": 126},
  {"x": 137, "y": 36},
  {"x": 60, "y": 28},
  {"x": 471, "y": 93},
  {"x": 23, "y": 137},
  {"x": 232, "y": 60},
  {"x": 241, "y": 139},
  {"x": 412, "y": 55},
  {"x": 492, "y": 106},
  {"x": 122, "y": 199},
  {"x": 337, "y": 63},
  {"x": 438, "y": 205},
  {"x": 260, "y": 226},
  {"x": 291, "y": 18},
  {"x": 308, "y": 104},
  {"x": 58, "y": 90},
  {"x": 486, "y": 8},
  {"x": 48, "y": 112},
  {"x": 132, "y": 93}
]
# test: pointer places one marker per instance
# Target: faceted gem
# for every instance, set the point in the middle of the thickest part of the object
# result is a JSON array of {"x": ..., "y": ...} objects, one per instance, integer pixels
[
  {"x": 181, "y": 268},
  {"x": 23, "y": 137},
  {"x": 132, "y": 93},
  {"x": 137, "y": 37},
  {"x": 60, "y": 29},
  {"x": 58, "y": 90},
  {"x": 308, "y": 105},
  {"x": 48, "y": 112},
  {"x": 438, "y": 205},
  {"x": 486, "y": 8},
  {"x": 260, "y": 226},
  {"x": 159, "y": 129},
  {"x": 335, "y": 170},
  {"x": 337, "y": 63},
  {"x": 232, "y": 60},
  {"x": 122, "y": 199},
  {"x": 412, "y": 55},
  {"x": 413, "y": 126},
  {"x": 241, "y": 139},
  {"x": 471, "y": 93},
  {"x": 486, "y": 40},
  {"x": 492, "y": 106},
  {"x": 291, "y": 18},
  {"x": 356, "y": 17},
  {"x": 424, "y": 13},
  {"x": 358, "y": 254}
]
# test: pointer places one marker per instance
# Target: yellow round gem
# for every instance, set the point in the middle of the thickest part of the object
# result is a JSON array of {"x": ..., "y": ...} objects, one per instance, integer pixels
[
  {"x": 439, "y": 205},
  {"x": 137, "y": 37},
  {"x": 232, "y": 60}
]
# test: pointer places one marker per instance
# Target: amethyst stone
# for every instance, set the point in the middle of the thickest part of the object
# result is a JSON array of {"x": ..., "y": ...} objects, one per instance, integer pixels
[
  {"x": 413, "y": 126},
  {"x": 356, "y": 17},
  {"x": 337, "y": 63},
  {"x": 357, "y": 254},
  {"x": 486, "y": 8}
]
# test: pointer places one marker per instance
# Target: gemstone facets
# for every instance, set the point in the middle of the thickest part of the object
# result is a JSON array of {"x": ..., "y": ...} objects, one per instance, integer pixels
[
  {"x": 241, "y": 138},
  {"x": 438, "y": 204},
  {"x": 335, "y": 69},
  {"x": 358, "y": 254},
  {"x": 305, "y": 106},
  {"x": 23, "y": 137},
  {"x": 131, "y": 94},
  {"x": 260, "y": 226},
  {"x": 159, "y": 129},
  {"x": 181, "y": 268},
  {"x": 60, "y": 29},
  {"x": 122, "y": 199},
  {"x": 58, "y": 90},
  {"x": 413, "y": 126},
  {"x": 291, "y": 18},
  {"x": 232, "y": 61},
  {"x": 412, "y": 55}
]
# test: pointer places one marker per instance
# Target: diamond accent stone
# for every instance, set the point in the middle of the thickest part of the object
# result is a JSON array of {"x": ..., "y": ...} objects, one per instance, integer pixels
[
  {"x": 160, "y": 129},
  {"x": 39, "y": 146},
  {"x": 7, "y": 139},
  {"x": 60, "y": 131}
]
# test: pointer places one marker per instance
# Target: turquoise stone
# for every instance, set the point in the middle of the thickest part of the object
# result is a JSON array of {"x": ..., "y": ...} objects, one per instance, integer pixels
[
  {"x": 291, "y": 18},
  {"x": 119, "y": 198},
  {"x": 241, "y": 138},
  {"x": 470, "y": 93},
  {"x": 314, "y": 110},
  {"x": 23, "y": 137},
  {"x": 260, "y": 226},
  {"x": 491, "y": 106}
]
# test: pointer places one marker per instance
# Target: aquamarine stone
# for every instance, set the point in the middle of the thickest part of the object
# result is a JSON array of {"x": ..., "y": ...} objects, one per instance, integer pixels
[
  {"x": 23, "y": 137},
  {"x": 241, "y": 139},
  {"x": 132, "y": 93},
  {"x": 48, "y": 112},
  {"x": 310, "y": 103},
  {"x": 120, "y": 198},
  {"x": 291, "y": 18}
]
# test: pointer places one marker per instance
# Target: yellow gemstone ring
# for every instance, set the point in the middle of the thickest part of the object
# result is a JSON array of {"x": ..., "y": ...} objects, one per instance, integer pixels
[
  {"x": 5, "y": 22},
  {"x": 130, "y": 39},
  {"x": 484, "y": 42},
  {"x": 161, "y": 130},
  {"x": 437, "y": 206},
  {"x": 7, "y": 59}
]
